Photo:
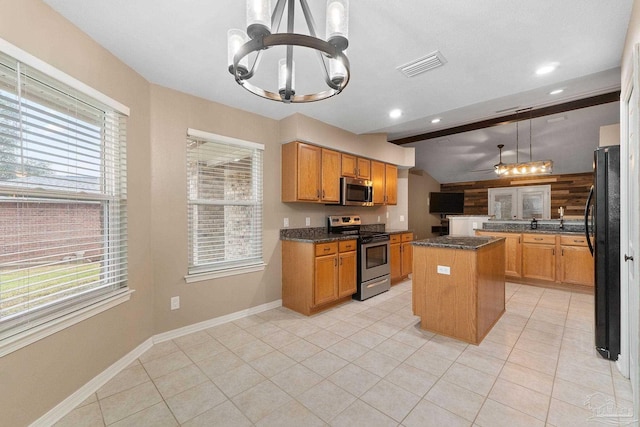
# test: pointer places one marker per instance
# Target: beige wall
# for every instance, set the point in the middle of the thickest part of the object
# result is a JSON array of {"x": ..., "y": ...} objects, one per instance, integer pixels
[
  {"x": 420, "y": 220},
  {"x": 41, "y": 375},
  {"x": 633, "y": 37}
]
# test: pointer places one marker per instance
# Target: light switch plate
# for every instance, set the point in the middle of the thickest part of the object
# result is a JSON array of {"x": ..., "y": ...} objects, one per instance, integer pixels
[
  {"x": 401, "y": 218},
  {"x": 307, "y": 221},
  {"x": 443, "y": 269},
  {"x": 286, "y": 222},
  {"x": 175, "y": 303}
]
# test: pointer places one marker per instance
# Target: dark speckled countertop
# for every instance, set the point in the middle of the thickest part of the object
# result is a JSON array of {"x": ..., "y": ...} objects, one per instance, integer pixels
[
  {"x": 544, "y": 227},
  {"x": 320, "y": 235},
  {"x": 458, "y": 242}
]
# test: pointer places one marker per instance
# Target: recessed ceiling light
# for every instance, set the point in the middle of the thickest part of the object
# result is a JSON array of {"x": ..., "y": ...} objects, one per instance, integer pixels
[
  {"x": 546, "y": 69},
  {"x": 394, "y": 114},
  {"x": 434, "y": 121},
  {"x": 555, "y": 92}
]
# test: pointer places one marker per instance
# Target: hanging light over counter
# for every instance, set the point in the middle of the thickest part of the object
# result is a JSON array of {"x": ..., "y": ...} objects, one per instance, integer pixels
[
  {"x": 530, "y": 168},
  {"x": 261, "y": 34}
]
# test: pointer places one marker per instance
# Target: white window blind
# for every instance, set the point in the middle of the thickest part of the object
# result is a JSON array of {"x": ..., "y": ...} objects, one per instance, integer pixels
[
  {"x": 63, "y": 222},
  {"x": 224, "y": 202}
]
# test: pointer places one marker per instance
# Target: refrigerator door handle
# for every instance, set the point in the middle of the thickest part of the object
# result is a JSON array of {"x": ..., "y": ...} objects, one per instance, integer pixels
[{"x": 586, "y": 219}]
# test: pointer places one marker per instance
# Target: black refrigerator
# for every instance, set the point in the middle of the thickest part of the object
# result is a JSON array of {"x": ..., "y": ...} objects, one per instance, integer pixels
[{"x": 602, "y": 220}]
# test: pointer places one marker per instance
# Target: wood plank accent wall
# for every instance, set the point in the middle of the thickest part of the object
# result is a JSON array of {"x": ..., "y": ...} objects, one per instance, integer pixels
[{"x": 570, "y": 191}]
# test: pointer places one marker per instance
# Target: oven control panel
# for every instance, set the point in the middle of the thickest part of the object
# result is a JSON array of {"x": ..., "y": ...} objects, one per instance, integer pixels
[{"x": 342, "y": 220}]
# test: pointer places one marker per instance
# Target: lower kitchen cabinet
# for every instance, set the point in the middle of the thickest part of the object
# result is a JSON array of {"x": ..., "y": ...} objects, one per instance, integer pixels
[
  {"x": 401, "y": 256},
  {"x": 317, "y": 275},
  {"x": 539, "y": 256},
  {"x": 576, "y": 261},
  {"x": 512, "y": 251}
]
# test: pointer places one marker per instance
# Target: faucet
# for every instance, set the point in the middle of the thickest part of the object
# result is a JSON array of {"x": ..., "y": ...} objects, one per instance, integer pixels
[
  {"x": 561, "y": 212},
  {"x": 561, "y": 223}
]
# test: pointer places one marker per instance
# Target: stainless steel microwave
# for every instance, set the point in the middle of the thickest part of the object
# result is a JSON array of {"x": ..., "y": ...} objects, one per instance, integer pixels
[{"x": 356, "y": 192}]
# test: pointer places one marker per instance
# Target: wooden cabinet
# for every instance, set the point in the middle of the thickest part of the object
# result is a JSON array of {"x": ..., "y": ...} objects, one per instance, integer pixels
[
  {"x": 539, "y": 256},
  {"x": 512, "y": 249},
  {"x": 401, "y": 256},
  {"x": 391, "y": 184},
  {"x": 356, "y": 167},
  {"x": 576, "y": 263},
  {"x": 310, "y": 174},
  {"x": 316, "y": 276}
]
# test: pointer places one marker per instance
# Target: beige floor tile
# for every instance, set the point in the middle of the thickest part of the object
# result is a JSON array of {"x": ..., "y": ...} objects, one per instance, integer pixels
[
  {"x": 520, "y": 398},
  {"x": 586, "y": 377},
  {"x": 261, "y": 329},
  {"x": 253, "y": 350},
  {"x": 225, "y": 329},
  {"x": 302, "y": 328},
  {"x": 300, "y": 350},
  {"x": 578, "y": 395},
  {"x": 494, "y": 414},
  {"x": 390, "y": 399},
  {"x": 224, "y": 415},
  {"x": 354, "y": 379},
  {"x": 323, "y": 321},
  {"x": 542, "y": 337},
  {"x": 423, "y": 359},
  {"x": 367, "y": 338},
  {"x": 291, "y": 414},
  {"x": 376, "y": 363},
  {"x": 536, "y": 347},
  {"x": 445, "y": 347},
  {"x": 220, "y": 364},
  {"x": 343, "y": 329},
  {"x": 562, "y": 414},
  {"x": 585, "y": 359},
  {"x": 395, "y": 349},
  {"x": 325, "y": 363},
  {"x": 493, "y": 349},
  {"x": 348, "y": 350},
  {"x": 238, "y": 380},
  {"x": 383, "y": 328},
  {"x": 324, "y": 339},
  {"x": 361, "y": 414},
  {"x": 119, "y": 406},
  {"x": 157, "y": 415},
  {"x": 469, "y": 378},
  {"x": 538, "y": 362},
  {"x": 455, "y": 399},
  {"x": 272, "y": 363},
  {"x": 91, "y": 399},
  {"x": 280, "y": 339},
  {"x": 544, "y": 326},
  {"x": 236, "y": 339},
  {"x": 326, "y": 400},
  {"x": 477, "y": 359},
  {"x": 88, "y": 415},
  {"x": 375, "y": 313},
  {"x": 412, "y": 379},
  {"x": 159, "y": 350},
  {"x": 179, "y": 381},
  {"x": 194, "y": 401},
  {"x": 426, "y": 414},
  {"x": 192, "y": 339},
  {"x": 165, "y": 364},
  {"x": 414, "y": 337},
  {"x": 296, "y": 380},
  {"x": 534, "y": 380},
  {"x": 124, "y": 380},
  {"x": 247, "y": 322},
  {"x": 259, "y": 401},
  {"x": 204, "y": 350}
]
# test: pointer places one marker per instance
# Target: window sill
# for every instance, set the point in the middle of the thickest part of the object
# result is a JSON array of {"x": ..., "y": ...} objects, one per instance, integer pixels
[
  {"x": 30, "y": 336},
  {"x": 199, "y": 277}
]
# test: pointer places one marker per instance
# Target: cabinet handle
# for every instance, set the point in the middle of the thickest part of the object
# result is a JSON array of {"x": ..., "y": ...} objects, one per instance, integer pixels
[
  {"x": 323, "y": 194},
  {"x": 335, "y": 262},
  {"x": 318, "y": 193},
  {"x": 553, "y": 252},
  {"x": 518, "y": 239},
  {"x": 562, "y": 252},
  {"x": 538, "y": 238},
  {"x": 578, "y": 241},
  {"x": 326, "y": 249}
]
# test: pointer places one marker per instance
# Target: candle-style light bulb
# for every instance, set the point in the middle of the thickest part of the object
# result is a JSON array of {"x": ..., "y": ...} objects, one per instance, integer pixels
[{"x": 338, "y": 23}]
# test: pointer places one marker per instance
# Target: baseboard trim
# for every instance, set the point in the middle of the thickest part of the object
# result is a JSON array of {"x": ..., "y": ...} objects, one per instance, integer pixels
[{"x": 91, "y": 387}]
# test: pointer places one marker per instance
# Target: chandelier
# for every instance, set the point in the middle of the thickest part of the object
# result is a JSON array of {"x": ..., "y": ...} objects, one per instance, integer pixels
[
  {"x": 262, "y": 34},
  {"x": 530, "y": 168}
]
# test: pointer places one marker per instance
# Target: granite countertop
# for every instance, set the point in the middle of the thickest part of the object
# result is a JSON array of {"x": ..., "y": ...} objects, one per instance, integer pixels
[
  {"x": 393, "y": 231},
  {"x": 544, "y": 227},
  {"x": 313, "y": 235},
  {"x": 458, "y": 242}
]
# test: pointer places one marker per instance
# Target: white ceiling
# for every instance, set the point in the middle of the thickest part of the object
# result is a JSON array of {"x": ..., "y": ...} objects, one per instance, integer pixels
[{"x": 492, "y": 49}]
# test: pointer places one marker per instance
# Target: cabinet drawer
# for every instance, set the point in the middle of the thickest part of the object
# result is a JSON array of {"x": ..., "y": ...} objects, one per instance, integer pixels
[
  {"x": 347, "y": 246},
  {"x": 573, "y": 240},
  {"x": 326, "y": 248},
  {"x": 396, "y": 238},
  {"x": 407, "y": 237},
  {"x": 539, "y": 238}
]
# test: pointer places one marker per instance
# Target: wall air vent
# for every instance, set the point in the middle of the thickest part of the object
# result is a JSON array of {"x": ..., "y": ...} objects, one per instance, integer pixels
[{"x": 421, "y": 65}]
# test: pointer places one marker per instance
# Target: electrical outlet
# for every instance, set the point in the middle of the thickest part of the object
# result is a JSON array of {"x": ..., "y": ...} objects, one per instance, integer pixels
[
  {"x": 443, "y": 269},
  {"x": 286, "y": 222},
  {"x": 387, "y": 214},
  {"x": 474, "y": 225},
  {"x": 175, "y": 303},
  {"x": 307, "y": 221},
  {"x": 378, "y": 218},
  {"x": 401, "y": 218}
]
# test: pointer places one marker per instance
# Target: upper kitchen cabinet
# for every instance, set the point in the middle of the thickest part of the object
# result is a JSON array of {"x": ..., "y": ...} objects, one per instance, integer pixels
[
  {"x": 356, "y": 167},
  {"x": 385, "y": 183},
  {"x": 310, "y": 174}
]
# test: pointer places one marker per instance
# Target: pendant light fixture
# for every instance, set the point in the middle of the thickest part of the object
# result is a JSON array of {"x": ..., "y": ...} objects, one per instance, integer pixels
[
  {"x": 261, "y": 34},
  {"x": 530, "y": 168}
]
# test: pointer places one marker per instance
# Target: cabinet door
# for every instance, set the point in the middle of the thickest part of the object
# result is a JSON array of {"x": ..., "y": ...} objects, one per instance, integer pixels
[
  {"x": 364, "y": 168},
  {"x": 391, "y": 184},
  {"x": 396, "y": 261},
  {"x": 347, "y": 276},
  {"x": 576, "y": 265},
  {"x": 309, "y": 161},
  {"x": 377, "y": 176},
  {"x": 330, "y": 176},
  {"x": 407, "y": 258},
  {"x": 539, "y": 261},
  {"x": 512, "y": 252},
  {"x": 349, "y": 165},
  {"x": 325, "y": 288}
]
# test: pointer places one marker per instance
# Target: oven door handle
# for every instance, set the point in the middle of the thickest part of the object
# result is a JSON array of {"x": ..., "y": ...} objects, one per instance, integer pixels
[{"x": 380, "y": 282}]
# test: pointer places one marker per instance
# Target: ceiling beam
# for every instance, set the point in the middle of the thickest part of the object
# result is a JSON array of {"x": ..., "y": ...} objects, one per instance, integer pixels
[{"x": 524, "y": 114}]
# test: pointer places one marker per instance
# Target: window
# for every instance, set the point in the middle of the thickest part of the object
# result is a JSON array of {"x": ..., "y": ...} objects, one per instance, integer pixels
[
  {"x": 224, "y": 203},
  {"x": 526, "y": 202},
  {"x": 63, "y": 221}
]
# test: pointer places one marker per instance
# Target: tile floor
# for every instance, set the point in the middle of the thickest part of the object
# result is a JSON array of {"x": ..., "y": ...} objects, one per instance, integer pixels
[{"x": 368, "y": 364}]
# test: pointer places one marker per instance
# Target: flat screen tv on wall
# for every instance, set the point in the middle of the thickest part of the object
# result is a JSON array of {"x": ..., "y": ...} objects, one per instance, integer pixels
[{"x": 446, "y": 203}]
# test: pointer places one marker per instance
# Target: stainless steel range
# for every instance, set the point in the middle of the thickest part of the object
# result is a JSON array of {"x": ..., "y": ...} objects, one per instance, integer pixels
[{"x": 374, "y": 268}]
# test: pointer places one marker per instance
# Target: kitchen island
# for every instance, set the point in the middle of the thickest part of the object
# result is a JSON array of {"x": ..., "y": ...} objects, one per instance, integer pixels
[{"x": 458, "y": 285}]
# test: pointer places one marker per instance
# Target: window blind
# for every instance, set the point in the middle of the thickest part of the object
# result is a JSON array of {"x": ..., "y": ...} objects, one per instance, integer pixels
[
  {"x": 224, "y": 202},
  {"x": 63, "y": 213}
]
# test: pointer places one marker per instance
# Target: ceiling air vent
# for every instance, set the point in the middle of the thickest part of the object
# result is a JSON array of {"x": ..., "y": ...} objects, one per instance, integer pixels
[{"x": 421, "y": 65}]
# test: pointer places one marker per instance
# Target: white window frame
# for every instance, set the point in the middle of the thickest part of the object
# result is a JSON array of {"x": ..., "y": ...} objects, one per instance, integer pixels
[
  {"x": 78, "y": 309},
  {"x": 198, "y": 271},
  {"x": 517, "y": 196}
]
